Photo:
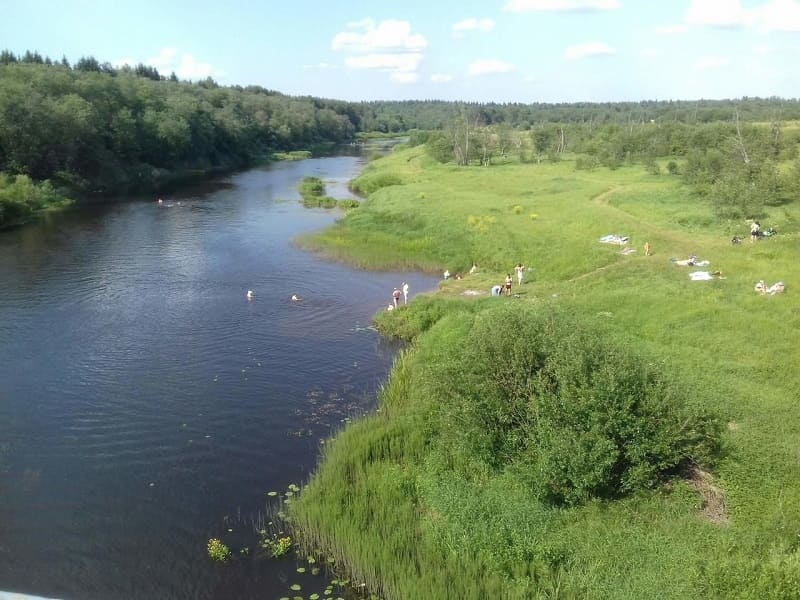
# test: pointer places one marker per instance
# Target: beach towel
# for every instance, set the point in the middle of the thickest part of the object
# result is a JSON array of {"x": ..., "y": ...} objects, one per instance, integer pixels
[
  {"x": 700, "y": 276},
  {"x": 691, "y": 262},
  {"x": 619, "y": 240}
]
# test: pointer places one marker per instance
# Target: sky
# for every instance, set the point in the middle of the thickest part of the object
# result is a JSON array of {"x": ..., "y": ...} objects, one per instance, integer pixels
[{"x": 488, "y": 51}]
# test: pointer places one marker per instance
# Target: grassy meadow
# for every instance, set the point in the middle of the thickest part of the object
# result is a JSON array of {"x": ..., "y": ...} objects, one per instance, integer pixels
[{"x": 414, "y": 517}]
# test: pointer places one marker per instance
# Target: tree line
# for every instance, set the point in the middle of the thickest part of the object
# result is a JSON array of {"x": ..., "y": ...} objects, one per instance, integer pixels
[
  {"x": 740, "y": 167},
  {"x": 95, "y": 128}
]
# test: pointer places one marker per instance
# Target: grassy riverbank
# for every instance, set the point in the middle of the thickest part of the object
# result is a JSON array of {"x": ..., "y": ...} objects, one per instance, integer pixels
[{"x": 415, "y": 514}]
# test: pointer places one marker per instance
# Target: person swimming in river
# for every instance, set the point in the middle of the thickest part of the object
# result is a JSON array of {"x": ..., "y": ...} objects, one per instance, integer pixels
[
  {"x": 295, "y": 298},
  {"x": 250, "y": 294}
]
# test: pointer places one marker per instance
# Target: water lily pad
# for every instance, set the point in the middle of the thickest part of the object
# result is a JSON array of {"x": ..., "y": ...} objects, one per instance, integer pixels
[
  {"x": 295, "y": 587},
  {"x": 313, "y": 597},
  {"x": 301, "y": 569},
  {"x": 272, "y": 493}
]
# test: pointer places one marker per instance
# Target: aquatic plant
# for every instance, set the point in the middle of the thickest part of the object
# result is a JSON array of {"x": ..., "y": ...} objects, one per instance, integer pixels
[
  {"x": 218, "y": 551},
  {"x": 277, "y": 546}
]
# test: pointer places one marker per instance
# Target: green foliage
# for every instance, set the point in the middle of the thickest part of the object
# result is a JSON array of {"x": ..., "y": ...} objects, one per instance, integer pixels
[
  {"x": 348, "y": 203},
  {"x": 132, "y": 129},
  {"x": 21, "y": 199},
  {"x": 293, "y": 155},
  {"x": 574, "y": 414},
  {"x": 312, "y": 186},
  {"x": 276, "y": 545},
  {"x": 217, "y": 551},
  {"x": 418, "y": 317},
  {"x": 370, "y": 182}
]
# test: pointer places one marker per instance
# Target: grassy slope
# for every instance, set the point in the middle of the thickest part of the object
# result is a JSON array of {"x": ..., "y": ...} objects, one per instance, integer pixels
[{"x": 406, "y": 529}]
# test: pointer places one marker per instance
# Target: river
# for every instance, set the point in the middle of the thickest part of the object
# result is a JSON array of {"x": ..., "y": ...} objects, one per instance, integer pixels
[{"x": 146, "y": 405}]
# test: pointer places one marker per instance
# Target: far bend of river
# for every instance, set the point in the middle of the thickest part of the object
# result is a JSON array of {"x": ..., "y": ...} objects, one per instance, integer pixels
[{"x": 146, "y": 406}]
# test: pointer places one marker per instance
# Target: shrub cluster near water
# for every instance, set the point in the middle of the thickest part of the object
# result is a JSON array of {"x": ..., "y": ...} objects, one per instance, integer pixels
[
  {"x": 312, "y": 191},
  {"x": 499, "y": 419},
  {"x": 21, "y": 199}
]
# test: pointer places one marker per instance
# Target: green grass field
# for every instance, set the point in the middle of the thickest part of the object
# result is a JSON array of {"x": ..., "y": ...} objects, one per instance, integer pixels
[{"x": 385, "y": 504}]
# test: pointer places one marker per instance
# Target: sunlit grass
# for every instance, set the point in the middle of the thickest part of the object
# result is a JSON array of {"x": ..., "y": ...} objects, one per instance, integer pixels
[{"x": 402, "y": 523}]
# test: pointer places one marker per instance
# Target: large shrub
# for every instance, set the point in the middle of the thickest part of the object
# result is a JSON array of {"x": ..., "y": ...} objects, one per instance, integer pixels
[{"x": 573, "y": 412}]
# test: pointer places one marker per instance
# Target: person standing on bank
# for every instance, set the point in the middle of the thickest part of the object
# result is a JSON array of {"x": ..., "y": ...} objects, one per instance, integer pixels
[
  {"x": 396, "y": 297},
  {"x": 508, "y": 284},
  {"x": 755, "y": 228},
  {"x": 405, "y": 293},
  {"x": 520, "y": 272}
]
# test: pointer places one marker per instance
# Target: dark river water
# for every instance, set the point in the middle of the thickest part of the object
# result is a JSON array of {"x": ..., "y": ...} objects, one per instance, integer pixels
[{"x": 146, "y": 405}]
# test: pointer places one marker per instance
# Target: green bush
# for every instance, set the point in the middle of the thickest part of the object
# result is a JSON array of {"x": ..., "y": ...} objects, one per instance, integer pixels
[
  {"x": 21, "y": 198},
  {"x": 371, "y": 181},
  {"x": 348, "y": 203},
  {"x": 217, "y": 551},
  {"x": 311, "y": 187},
  {"x": 573, "y": 413}
]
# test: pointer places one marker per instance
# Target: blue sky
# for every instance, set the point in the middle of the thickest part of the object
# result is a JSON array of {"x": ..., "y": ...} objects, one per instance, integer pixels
[{"x": 494, "y": 50}]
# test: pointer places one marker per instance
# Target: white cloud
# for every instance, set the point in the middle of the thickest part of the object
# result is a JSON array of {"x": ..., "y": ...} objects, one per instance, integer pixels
[
  {"x": 388, "y": 46},
  {"x": 672, "y": 29},
  {"x": 185, "y": 66},
  {"x": 711, "y": 62},
  {"x": 488, "y": 66},
  {"x": 779, "y": 15},
  {"x": 472, "y": 24},
  {"x": 386, "y": 35},
  {"x": 718, "y": 13},
  {"x": 762, "y": 50},
  {"x": 774, "y": 15},
  {"x": 587, "y": 50},
  {"x": 560, "y": 5},
  {"x": 650, "y": 53},
  {"x": 393, "y": 63},
  {"x": 404, "y": 77},
  {"x": 441, "y": 78}
]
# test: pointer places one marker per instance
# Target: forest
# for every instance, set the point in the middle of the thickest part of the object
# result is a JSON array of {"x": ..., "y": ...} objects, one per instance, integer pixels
[{"x": 95, "y": 129}]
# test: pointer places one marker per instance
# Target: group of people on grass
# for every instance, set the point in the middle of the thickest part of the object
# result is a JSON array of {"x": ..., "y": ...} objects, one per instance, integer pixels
[
  {"x": 505, "y": 287},
  {"x": 397, "y": 293}
]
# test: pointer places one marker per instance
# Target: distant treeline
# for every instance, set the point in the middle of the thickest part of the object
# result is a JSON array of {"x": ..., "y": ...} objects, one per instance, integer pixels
[{"x": 95, "y": 128}]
